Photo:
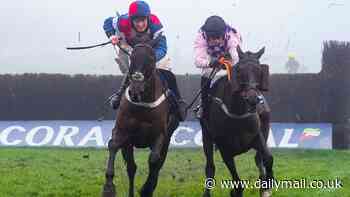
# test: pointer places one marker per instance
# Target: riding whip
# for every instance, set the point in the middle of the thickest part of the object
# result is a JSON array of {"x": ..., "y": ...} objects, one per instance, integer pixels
[{"x": 211, "y": 76}]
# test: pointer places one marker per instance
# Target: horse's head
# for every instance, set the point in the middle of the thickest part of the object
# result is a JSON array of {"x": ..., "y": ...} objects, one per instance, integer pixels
[
  {"x": 250, "y": 76},
  {"x": 142, "y": 68}
]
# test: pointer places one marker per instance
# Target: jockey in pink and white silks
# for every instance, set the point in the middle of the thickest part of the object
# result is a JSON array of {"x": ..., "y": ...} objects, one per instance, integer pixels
[
  {"x": 214, "y": 40},
  {"x": 140, "y": 22}
]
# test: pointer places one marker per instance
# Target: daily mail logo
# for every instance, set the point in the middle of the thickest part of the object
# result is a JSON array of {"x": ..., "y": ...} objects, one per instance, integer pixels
[{"x": 188, "y": 134}]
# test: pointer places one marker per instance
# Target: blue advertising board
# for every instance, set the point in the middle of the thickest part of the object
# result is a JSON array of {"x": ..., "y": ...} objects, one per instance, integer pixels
[{"x": 188, "y": 134}]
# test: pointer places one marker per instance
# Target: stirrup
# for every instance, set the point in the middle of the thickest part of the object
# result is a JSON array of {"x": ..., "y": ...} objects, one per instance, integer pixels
[
  {"x": 198, "y": 111},
  {"x": 115, "y": 101}
]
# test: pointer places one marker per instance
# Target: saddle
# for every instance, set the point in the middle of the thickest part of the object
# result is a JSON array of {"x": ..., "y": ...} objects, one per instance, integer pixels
[{"x": 169, "y": 94}]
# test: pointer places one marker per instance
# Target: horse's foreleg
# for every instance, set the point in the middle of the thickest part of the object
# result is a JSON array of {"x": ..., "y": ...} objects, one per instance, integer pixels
[
  {"x": 230, "y": 164},
  {"x": 113, "y": 146},
  {"x": 266, "y": 163},
  {"x": 266, "y": 160},
  {"x": 109, "y": 187},
  {"x": 208, "y": 148},
  {"x": 260, "y": 164},
  {"x": 128, "y": 155},
  {"x": 157, "y": 148},
  {"x": 154, "y": 168}
]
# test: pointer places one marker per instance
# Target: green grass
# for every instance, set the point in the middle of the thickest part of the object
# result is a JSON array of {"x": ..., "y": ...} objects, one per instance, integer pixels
[{"x": 29, "y": 172}]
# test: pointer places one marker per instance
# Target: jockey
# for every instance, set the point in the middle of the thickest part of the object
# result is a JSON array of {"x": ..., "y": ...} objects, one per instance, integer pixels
[
  {"x": 214, "y": 40},
  {"x": 139, "y": 22}
]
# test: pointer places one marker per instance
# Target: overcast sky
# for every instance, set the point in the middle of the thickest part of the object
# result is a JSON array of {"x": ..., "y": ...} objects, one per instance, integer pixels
[{"x": 34, "y": 33}]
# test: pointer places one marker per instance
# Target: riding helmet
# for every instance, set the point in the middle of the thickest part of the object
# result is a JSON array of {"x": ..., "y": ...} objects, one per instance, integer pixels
[
  {"x": 139, "y": 9},
  {"x": 214, "y": 26}
]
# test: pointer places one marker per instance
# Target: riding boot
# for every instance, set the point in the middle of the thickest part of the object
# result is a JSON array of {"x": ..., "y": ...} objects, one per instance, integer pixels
[
  {"x": 175, "y": 96},
  {"x": 202, "y": 109},
  {"x": 116, "y": 98},
  {"x": 180, "y": 103}
]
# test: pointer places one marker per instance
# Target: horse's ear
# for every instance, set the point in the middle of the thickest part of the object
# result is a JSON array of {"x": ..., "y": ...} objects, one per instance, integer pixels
[
  {"x": 240, "y": 52},
  {"x": 260, "y": 53}
]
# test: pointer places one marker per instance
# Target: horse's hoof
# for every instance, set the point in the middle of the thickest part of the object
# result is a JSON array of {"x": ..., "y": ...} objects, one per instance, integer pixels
[
  {"x": 144, "y": 192},
  {"x": 206, "y": 194},
  {"x": 146, "y": 195},
  {"x": 109, "y": 191},
  {"x": 236, "y": 193},
  {"x": 266, "y": 193}
]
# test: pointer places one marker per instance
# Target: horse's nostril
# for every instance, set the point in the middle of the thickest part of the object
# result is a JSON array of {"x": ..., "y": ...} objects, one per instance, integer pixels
[
  {"x": 137, "y": 76},
  {"x": 253, "y": 100}
]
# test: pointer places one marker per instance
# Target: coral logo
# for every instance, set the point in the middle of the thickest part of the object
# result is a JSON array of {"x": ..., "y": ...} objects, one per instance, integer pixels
[{"x": 310, "y": 133}]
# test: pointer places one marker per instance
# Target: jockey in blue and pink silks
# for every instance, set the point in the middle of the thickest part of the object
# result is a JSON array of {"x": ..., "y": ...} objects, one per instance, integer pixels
[
  {"x": 141, "y": 22},
  {"x": 214, "y": 40}
]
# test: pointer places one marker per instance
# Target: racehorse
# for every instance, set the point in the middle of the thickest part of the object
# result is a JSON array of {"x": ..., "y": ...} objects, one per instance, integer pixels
[
  {"x": 144, "y": 119},
  {"x": 238, "y": 120}
]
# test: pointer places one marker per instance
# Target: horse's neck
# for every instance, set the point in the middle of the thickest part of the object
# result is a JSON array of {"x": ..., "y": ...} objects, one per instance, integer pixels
[
  {"x": 237, "y": 105},
  {"x": 153, "y": 90},
  {"x": 234, "y": 102}
]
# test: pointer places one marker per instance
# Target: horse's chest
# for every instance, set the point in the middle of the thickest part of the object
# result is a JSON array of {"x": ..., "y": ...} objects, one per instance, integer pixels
[
  {"x": 236, "y": 125},
  {"x": 142, "y": 133},
  {"x": 235, "y": 131}
]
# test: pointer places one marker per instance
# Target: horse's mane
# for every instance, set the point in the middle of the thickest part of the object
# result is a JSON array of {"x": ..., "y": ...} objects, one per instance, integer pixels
[{"x": 219, "y": 83}]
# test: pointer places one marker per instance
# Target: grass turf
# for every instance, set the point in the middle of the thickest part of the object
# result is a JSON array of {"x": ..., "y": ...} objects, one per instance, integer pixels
[{"x": 51, "y": 172}]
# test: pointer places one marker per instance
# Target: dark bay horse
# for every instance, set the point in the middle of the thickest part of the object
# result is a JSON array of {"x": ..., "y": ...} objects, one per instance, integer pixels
[
  {"x": 239, "y": 119},
  {"x": 143, "y": 120}
]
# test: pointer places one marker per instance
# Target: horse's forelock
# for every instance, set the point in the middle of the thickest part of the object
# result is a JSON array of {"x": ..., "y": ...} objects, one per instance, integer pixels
[
  {"x": 249, "y": 66},
  {"x": 248, "y": 60},
  {"x": 142, "y": 55},
  {"x": 141, "y": 50}
]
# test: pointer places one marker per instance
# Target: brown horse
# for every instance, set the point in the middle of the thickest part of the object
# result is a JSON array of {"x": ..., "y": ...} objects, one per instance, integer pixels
[
  {"x": 143, "y": 120},
  {"x": 239, "y": 119}
]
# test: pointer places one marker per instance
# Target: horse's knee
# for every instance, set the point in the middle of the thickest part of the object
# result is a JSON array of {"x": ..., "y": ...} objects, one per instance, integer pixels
[
  {"x": 268, "y": 160},
  {"x": 110, "y": 144},
  {"x": 113, "y": 146},
  {"x": 154, "y": 158}
]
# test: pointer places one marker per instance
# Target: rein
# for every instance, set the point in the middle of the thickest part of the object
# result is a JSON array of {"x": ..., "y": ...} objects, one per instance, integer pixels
[
  {"x": 228, "y": 113},
  {"x": 154, "y": 104}
]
